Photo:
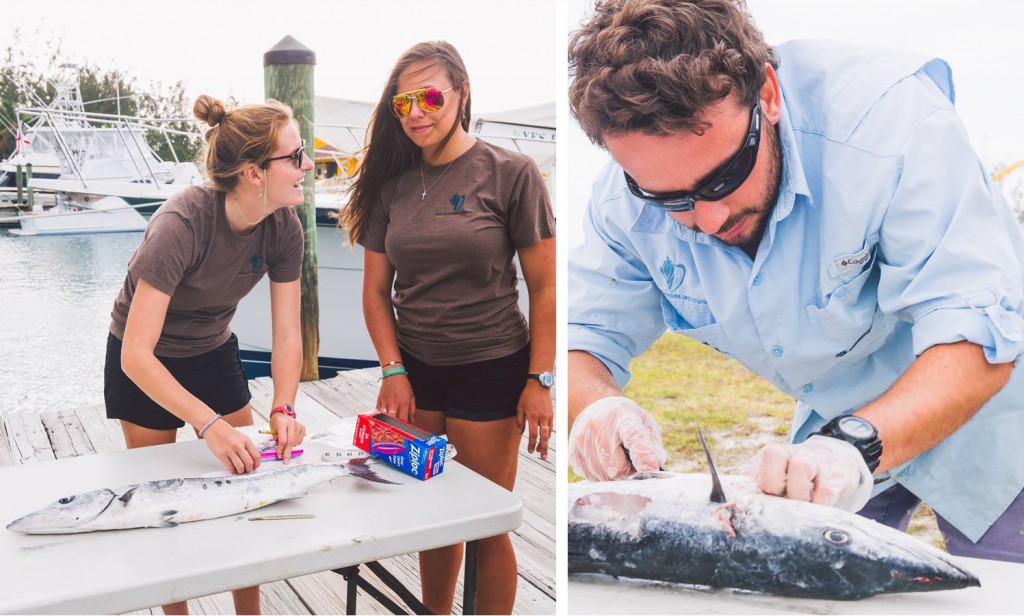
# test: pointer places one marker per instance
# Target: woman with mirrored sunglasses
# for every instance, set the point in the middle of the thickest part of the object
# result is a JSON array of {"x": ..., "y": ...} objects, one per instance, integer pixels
[
  {"x": 441, "y": 216},
  {"x": 171, "y": 357}
]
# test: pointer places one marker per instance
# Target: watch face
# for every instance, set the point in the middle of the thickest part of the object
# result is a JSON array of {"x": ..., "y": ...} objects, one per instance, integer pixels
[
  {"x": 856, "y": 427},
  {"x": 547, "y": 379}
]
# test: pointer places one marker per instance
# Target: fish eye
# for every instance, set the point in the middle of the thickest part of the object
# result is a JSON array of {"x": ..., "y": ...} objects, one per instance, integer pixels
[
  {"x": 836, "y": 537},
  {"x": 66, "y": 500}
]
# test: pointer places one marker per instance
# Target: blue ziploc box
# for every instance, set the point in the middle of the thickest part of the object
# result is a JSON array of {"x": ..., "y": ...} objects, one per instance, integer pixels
[{"x": 409, "y": 449}]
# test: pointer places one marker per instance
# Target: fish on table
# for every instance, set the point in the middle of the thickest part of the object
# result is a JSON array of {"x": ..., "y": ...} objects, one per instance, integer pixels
[
  {"x": 168, "y": 502},
  {"x": 663, "y": 527}
]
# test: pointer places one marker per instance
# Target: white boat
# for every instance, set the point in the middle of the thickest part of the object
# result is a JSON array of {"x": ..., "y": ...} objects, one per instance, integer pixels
[
  {"x": 344, "y": 341},
  {"x": 99, "y": 157},
  {"x": 106, "y": 215}
]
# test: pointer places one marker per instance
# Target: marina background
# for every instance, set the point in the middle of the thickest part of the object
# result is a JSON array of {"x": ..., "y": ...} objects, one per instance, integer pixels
[{"x": 56, "y": 292}]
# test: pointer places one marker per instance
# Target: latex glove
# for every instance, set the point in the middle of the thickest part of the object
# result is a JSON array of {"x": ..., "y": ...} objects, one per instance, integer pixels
[
  {"x": 822, "y": 470},
  {"x": 604, "y": 432}
]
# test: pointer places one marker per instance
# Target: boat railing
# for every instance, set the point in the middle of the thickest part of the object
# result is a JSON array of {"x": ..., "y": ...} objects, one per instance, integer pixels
[{"x": 131, "y": 134}]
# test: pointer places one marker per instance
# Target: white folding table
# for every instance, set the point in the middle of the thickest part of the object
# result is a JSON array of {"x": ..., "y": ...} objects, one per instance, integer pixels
[{"x": 355, "y": 522}]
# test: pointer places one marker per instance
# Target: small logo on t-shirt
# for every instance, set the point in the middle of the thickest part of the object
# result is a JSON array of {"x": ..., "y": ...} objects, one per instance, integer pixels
[
  {"x": 456, "y": 202},
  {"x": 257, "y": 262}
]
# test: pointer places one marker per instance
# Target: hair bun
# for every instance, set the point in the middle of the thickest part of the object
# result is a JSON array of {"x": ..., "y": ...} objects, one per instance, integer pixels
[{"x": 208, "y": 110}]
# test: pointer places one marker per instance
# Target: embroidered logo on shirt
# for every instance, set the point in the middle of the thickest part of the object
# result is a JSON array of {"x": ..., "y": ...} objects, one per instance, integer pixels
[
  {"x": 674, "y": 274},
  {"x": 256, "y": 261},
  {"x": 456, "y": 202},
  {"x": 855, "y": 261}
]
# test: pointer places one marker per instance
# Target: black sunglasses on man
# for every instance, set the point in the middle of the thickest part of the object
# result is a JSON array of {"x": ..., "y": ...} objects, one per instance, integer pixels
[{"x": 721, "y": 184}]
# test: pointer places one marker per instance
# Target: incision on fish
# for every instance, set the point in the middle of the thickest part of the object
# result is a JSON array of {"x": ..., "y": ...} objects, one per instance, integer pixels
[
  {"x": 722, "y": 517},
  {"x": 620, "y": 511}
]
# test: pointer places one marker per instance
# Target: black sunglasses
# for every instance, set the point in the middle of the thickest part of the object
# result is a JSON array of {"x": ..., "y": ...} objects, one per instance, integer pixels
[
  {"x": 721, "y": 184},
  {"x": 295, "y": 157}
]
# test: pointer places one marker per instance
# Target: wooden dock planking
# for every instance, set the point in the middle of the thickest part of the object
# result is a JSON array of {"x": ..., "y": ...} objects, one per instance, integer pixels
[
  {"x": 28, "y": 437},
  {"x": 7, "y": 451},
  {"x": 25, "y": 438}
]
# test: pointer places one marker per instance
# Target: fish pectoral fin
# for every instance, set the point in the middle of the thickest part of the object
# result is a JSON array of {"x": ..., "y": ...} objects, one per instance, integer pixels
[
  {"x": 165, "y": 524},
  {"x": 127, "y": 496}
]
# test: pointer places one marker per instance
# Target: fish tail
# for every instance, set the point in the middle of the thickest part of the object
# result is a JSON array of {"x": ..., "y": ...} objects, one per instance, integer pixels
[{"x": 358, "y": 468}]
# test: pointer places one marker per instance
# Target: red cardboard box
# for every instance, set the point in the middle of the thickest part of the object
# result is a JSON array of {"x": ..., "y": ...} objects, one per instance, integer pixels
[{"x": 404, "y": 446}]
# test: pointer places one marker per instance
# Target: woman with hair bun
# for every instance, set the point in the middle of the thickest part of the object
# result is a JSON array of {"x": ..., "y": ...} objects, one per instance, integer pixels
[
  {"x": 171, "y": 357},
  {"x": 441, "y": 215}
]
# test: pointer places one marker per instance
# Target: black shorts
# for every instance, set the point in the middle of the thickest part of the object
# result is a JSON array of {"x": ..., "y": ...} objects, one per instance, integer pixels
[
  {"x": 215, "y": 377},
  {"x": 480, "y": 391}
]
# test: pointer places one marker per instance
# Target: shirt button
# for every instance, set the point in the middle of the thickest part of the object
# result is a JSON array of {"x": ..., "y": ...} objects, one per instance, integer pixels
[
  {"x": 903, "y": 473},
  {"x": 757, "y": 280},
  {"x": 808, "y": 388},
  {"x": 777, "y": 351}
]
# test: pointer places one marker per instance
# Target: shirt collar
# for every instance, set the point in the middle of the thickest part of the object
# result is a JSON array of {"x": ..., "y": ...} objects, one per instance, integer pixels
[{"x": 794, "y": 182}]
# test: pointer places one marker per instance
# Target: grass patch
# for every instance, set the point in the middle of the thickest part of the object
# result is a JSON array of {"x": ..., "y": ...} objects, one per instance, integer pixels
[{"x": 685, "y": 384}]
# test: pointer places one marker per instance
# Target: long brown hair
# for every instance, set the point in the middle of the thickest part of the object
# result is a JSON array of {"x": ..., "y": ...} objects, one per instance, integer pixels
[
  {"x": 653, "y": 66},
  {"x": 237, "y": 137},
  {"x": 388, "y": 151}
]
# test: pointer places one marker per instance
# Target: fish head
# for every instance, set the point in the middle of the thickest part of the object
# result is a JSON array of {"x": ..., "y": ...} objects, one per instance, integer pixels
[
  {"x": 869, "y": 558},
  {"x": 65, "y": 515}
]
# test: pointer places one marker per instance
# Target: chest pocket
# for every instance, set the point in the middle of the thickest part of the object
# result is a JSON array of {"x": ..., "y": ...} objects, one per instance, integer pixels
[
  {"x": 694, "y": 320},
  {"x": 846, "y": 320}
]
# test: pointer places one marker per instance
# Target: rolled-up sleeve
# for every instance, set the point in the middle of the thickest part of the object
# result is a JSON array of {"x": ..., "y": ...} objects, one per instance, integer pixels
[
  {"x": 614, "y": 305},
  {"x": 950, "y": 247}
]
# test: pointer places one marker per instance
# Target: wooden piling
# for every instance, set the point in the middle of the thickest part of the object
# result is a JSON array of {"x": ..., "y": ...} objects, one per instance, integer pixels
[
  {"x": 28, "y": 184},
  {"x": 288, "y": 78}
]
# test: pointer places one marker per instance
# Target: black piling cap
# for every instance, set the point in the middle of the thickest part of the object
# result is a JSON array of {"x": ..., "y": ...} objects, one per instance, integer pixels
[
  {"x": 717, "y": 493},
  {"x": 289, "y": 51}
]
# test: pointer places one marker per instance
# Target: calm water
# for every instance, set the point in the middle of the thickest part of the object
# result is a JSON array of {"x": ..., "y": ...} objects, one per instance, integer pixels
[{"x": 55, "y": 299}]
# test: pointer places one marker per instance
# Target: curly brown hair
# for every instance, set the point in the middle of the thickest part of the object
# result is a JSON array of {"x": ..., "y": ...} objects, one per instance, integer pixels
[{"x": 653, "y": 66}]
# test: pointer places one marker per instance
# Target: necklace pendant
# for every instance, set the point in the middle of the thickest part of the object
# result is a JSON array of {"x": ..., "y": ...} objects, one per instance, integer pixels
[{"x": 423, "y": 196}]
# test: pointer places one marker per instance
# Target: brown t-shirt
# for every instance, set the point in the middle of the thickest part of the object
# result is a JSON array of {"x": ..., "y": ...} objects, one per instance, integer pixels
[
  {"x": 190, "y": 253},
  {"x": 455, "y": 282}
]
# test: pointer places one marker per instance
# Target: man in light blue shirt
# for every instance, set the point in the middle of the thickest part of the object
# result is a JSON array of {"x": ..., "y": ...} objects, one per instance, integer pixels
[{"x": 817, "y": 212}]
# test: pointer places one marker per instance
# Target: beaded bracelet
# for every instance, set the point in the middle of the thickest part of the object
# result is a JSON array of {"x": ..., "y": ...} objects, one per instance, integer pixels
[{"x": 202, "y": 430}]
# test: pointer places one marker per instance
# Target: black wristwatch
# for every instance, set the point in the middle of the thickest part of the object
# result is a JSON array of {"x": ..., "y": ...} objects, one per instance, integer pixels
[
  {"x": 858, "y": 432},
  {"x": 546, "y": 379}
]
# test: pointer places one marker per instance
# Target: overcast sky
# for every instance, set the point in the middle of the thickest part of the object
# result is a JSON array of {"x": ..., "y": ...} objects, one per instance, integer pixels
[
  {"x": 217, "y": 47},
  {"x": 980, "y": 39}
]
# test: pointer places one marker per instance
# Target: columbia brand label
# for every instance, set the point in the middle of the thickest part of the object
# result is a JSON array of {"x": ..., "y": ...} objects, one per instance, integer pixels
[
  {"x": 855, "y": 261},
  {"x": 455, "y": 201}
]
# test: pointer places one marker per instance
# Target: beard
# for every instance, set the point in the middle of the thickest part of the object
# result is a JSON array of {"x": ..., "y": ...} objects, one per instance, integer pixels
[{"x": 761, "y": 212}]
